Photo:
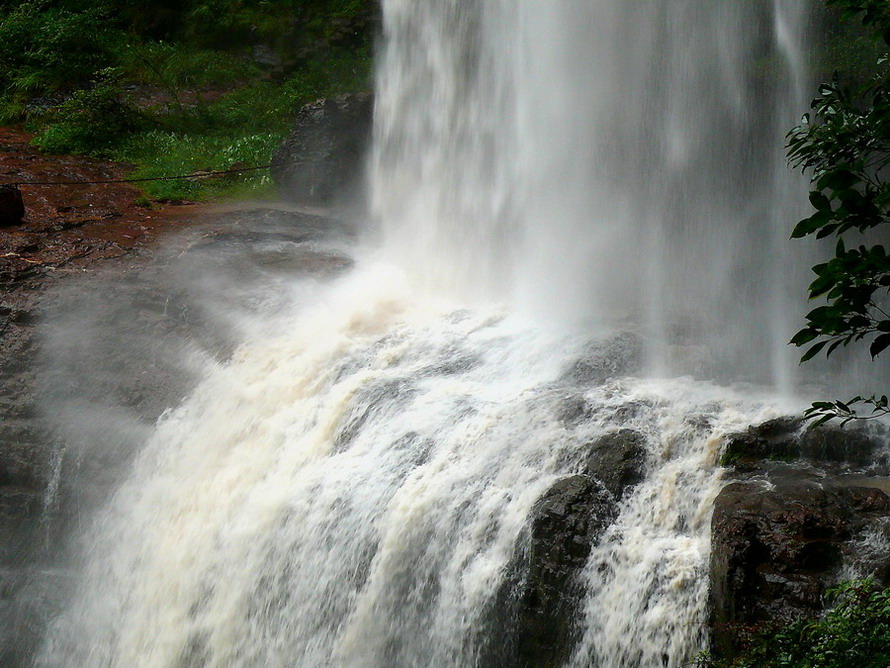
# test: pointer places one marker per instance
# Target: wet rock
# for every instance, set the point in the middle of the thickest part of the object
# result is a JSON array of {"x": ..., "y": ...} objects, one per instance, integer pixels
[
  {"x": 12, "y": 207},
  {"x": 852, "y": 447},
  {"x": 775, "y": 440},
  {"x": 573, "y": 410},
  {"x": 323, "y": 157},
  {"x": 535, "y": 611},
  {"x": 119, "y": 346},
  {"x": 786, "y": 439},
  {"x": 265, "y": 56},
  {"x": 618, "y": 460},
  {"x": 27, "y": 598},
  {"x": 779, "y": 542},
  {"x": 621, "y": 355}
]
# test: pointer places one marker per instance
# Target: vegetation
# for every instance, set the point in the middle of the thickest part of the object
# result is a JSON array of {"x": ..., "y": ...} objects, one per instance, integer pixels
[
  {"x": 845, "y": 147},
  {"x": 855, "y": 631},
  {"x": 175, "y": 86}
]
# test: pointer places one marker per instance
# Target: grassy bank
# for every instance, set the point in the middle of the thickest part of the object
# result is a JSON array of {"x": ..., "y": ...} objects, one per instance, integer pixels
[{"x": 176, "y": 88}]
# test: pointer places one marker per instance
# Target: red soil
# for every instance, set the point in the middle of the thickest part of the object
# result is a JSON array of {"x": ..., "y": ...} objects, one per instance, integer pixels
[{"x": 74, "y": 226}]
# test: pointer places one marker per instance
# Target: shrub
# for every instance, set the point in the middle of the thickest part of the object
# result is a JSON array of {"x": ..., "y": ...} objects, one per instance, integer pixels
[
  {"x": 855, "y": 631},
  {"x": 93, "y": 120},
  {"x": 173, "y": 66},
  {"x": 43, "y": 48}
]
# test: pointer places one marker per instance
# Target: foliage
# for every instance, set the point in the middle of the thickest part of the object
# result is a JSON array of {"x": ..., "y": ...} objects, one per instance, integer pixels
[
  {"x": 92, "y": 120},
  {"x": 855, "y": 631},
  {"x": 845, "y": 146},
  {"x": 171, "y": 85},
  {"x": 161, "y": 154},
  {"x": 172, "y": 66},
  {"x": 44, "y": 47}
]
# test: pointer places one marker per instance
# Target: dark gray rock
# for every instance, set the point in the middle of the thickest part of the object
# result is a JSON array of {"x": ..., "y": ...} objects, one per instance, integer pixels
[
  {"x": 621, "y": 355},
  {"x": 618, "y": 460},
  {"x": 323, "y": 157},
  {"x": 786, "y": 439},
  {"x": 533, "y": 618},
  {"x": 778, "y": 543},
  {"x": 12, "y": 207}
]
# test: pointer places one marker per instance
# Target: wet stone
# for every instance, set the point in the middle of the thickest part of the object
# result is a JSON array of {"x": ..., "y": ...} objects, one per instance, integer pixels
[
  {"x": 618, "y": 460},
  {"x": 533, "y": 617}
]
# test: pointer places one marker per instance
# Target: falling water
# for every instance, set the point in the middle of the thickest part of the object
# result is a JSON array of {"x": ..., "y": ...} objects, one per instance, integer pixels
[
  {"x": 604, "y": 163},
  {"x": 579, "y": 200}
]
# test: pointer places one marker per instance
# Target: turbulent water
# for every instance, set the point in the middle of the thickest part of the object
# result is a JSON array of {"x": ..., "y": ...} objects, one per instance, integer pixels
[
  {"x": 355, "y": 489},
  {"x": 353, "y": 492}
]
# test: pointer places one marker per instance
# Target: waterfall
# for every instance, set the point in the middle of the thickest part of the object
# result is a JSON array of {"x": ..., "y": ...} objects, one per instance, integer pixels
[
  {"x": 579, "y": 201},
  {"x": 604, "y": 163},
  {"x": 355, "y": 493}
]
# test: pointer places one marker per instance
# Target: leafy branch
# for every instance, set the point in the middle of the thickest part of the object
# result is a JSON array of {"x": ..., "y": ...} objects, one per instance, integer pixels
[{"x": 845, "y": 147}]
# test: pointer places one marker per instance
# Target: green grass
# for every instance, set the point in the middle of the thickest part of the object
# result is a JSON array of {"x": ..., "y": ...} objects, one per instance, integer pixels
[{"x": 159, "y": 154}]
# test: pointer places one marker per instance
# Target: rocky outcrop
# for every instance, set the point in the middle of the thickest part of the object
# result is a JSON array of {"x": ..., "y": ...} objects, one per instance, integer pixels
[
  {"x": 805, "y": 509},
  {"x": 531, "y": 621},
  {"x": 323, "y": 157},
  {"x": 621, "y": 355},
  {"x": 618, "y": 461},
  {"x": 785, "y": 439},
  {"x": 567, "y": 522},
  {"x": 119, "y": 343}
]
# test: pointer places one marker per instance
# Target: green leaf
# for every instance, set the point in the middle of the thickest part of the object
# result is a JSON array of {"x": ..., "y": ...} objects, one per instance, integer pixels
[
  {"x": 811, "y": 224},
  {"x": 813, "y": 351},
  {"x": 821, "y": 285},
  {"x": 819, "y": 201},
  {"x": 879, "y": 345},
  {"x": 840, "y": 179},
  {"x": 804, "y": 336}
]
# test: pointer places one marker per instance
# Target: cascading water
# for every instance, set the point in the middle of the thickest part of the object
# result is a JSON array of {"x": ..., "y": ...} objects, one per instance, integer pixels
[{"x": 358, "y": 491}]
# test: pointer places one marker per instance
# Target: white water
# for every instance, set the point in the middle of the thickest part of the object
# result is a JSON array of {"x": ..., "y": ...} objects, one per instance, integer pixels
[{"x": 353, "y": 493}]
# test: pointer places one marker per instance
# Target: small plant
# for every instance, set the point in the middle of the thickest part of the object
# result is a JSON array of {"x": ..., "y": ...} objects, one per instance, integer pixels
[{"x": 854, "y": 631}]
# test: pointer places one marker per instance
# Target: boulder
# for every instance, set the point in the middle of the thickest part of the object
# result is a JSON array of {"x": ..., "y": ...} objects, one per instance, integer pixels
[
  {"x": 533, "y": 617},
  {"x": 618, "y": 460},
  {"x": 786, "y": 439},
  {"x": 323, "y": 157},
  {"x": 778, "y": 544},
  {"x": 12, "y": 207},
  {"x": 804, "y": 510}
]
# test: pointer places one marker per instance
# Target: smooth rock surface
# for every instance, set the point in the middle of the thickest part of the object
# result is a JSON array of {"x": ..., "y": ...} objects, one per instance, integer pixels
[{"x": 323, "y": 157}]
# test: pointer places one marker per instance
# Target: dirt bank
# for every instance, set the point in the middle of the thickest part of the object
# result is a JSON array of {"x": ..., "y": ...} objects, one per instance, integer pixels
[{"x": 74, "y": 226}]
